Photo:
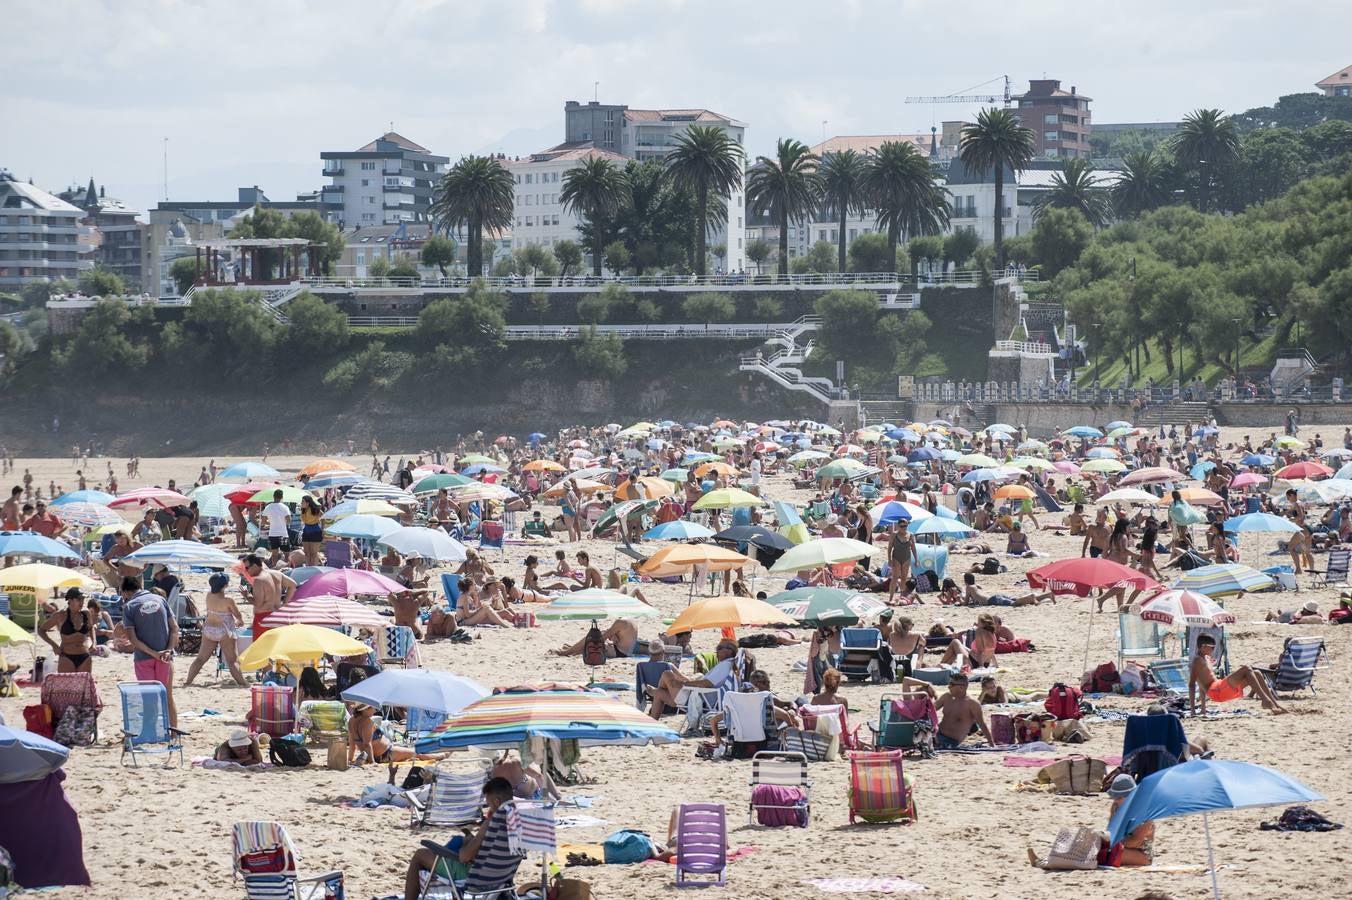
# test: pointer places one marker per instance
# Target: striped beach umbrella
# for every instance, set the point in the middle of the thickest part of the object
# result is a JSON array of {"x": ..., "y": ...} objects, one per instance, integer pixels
[
  {"x": 1183, "y": 607},
  {"x": 180, "y": 553},
  {"x": 150, "y": 496},
  {"x": 508, "y": 718},
  {"x": 827, "y": 606},
  {"x": 1222, "y": 580},
  {"x": 326, "y": 610},
  {"x": 596, "y": 603},
  {"x": 375, "y": 490},
  {"x": 88, "y": 515},
  {"x": 102, "y": 498}
]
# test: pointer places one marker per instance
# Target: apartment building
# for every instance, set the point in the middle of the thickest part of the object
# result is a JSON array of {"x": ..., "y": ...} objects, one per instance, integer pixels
[
  {"x": 39, "y": 235},
  {"x": 539, "y": 217},
  {"x": 1059, "y": 119},
  {"x": 385, "y": 182},
  {"x": 112, "y": 235}
]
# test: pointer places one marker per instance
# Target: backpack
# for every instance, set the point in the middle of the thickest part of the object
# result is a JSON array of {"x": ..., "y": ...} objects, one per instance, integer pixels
[
  {"x": 1103, "y": 680},
  {"x": 594, "y": 648},
  {"x": 284, "y": 752},
  {"x": 38, "y": 719},
  {"x": 627, "y": 846},
  {"x": 990, "y": 566},
  {"x": 77, "y": 727},
  {"x": 1063, "y": 701}
]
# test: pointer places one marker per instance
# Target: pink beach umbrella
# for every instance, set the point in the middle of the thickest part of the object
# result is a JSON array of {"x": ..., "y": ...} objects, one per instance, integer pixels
[
  {"x": 326, "y": 610},
  {"x": 348, "y": 583}
]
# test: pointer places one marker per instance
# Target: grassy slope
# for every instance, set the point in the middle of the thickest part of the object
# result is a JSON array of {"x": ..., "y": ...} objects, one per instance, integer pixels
[{"x": 1252, "y": 355}]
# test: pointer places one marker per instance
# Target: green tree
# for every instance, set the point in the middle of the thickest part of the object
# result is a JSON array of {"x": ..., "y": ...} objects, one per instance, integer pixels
[
  {"x": 869, "y": 253},
  {"x": 185, "y": 272},
  {"x": 232, "y": 329},
  {"x": 1059, "y": 238},
  {"x": 1271, "y": 160},
  {"x": 843, "y": 179},
  {"x": 705, "y": 160},
  {"x": 569, "y": 255},
  {"x": 439, "y": 250},
  {"x": 768, "y": 309},
  {"x": 611, "y": 301},
  {"x": 380, "y": 267},
  {"x": 708, "y": 308},
  {"x": 785, "y": 188},
  {"x": 758, "y": 251},
  {"x": 1143, "y": 184},
  {"x": 402, "y": 267},
  {"x": 848, "y": 317},
  {"x": 1076, "y": 187},
  {"x": 995, "y": 142},
  {"x": 960, "y": 245},
  {"x": 820, "y": 258},
  {"x": 371, "y": 367},
  {"x": 37, "y": 293},
  {"x": 1328, "y": 140},
  {"x": 1208, "y": 143},
  {"x": 465, "y": 330},
  {"x": 262, "y": 223},
  {"x": 928, "y": 247},
  {"x": 476, "y": 194},
  {"x": 107, "y": 341},
  {"x": 539, "y": 304},
  {"x": 315, "y": 327},
  {"x": 326, "y": 241},
  {"x": 600, "y": 355},
  {"x": 646, "y": 310},
  {"x": 536, "y": 260},
  {"x": 102, "y": 282},
  {"x": 657, "y": 226},
  {"x": 595, "y": 191},
  {"x": 617, "y": 257},
  {"x": 905, "y": 191}
]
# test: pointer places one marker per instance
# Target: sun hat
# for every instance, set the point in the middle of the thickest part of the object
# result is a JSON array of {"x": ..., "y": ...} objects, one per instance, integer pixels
[
  {"x": 1122, "y": 785},
  {"x": 1311, "y": 607},
  {"x": 239, "y": 738}
]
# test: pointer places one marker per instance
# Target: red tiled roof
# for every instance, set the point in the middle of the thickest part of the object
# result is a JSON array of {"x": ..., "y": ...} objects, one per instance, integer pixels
[
  {"x": 863, "y": 143},
  {"x": 394, "y": 138},
  {"x": 1342, "y": 76}
]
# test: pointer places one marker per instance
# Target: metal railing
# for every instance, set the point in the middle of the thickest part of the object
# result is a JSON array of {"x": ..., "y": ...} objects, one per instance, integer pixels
[{"x": 1023, "y": 346}]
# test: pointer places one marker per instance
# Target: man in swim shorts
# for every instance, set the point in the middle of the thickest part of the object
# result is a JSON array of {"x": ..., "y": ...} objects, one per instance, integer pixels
[{"x": 1223, "y": 690}]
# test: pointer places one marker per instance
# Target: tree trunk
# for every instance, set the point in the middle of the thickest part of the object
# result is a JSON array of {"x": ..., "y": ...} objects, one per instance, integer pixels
[
  {"x": 1202, "y": 187},
  {"x": 893, "y": 238},
  {"x": 597, "y": 250},
  {"x": 701, "y": 229},
  {"x": 999, "y": 216},
  {"x": 1168, "y": 346},
  {"x": 784, "y": 242},
  {"x": 473, "y": 253},
  {"x": 840, "y": 244}
]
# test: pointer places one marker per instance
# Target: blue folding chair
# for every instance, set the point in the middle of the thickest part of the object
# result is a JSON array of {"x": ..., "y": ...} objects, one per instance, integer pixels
[
  {"x": 1138, "y": 639},
  {"x": 1171, "y": 676},
  {"x": 493, "y": 535},
  {"x": 450, "y": 585},
  {"x": 145, "y": 721},
  {"x": 1296, "y": 666}
]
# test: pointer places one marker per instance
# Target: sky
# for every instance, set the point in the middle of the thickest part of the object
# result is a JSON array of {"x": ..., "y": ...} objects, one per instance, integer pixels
[{"x": 251, "y": 91}]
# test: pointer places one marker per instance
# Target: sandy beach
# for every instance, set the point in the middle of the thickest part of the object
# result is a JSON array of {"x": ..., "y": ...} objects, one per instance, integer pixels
[{"x": 159, "y": 833}]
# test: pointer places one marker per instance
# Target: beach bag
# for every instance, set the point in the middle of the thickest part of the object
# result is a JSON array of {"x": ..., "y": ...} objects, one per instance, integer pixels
[
  {"x": 285, "y": 752},
  {"x": 337, "y": 756},
  {"x": 816, "y": 747},
  {"x": 627, "y": 846},
  {"x": 1002, "y": 728},
  {"x": 1077, "y": 775},
  {"x": 990, "y": 566},
  {"x": 1030, "y": 727},
  {"x": 779, "y": 805},
  {"x": 77, "y": 726},
  {"x": 38, "y": 719},
  {"x": 926, "y": 582},
  {"x": 1103, "y": 680},
  {"x": 1074, "y": 849},
  {"x": 594, "y": 648},
  {"x": 570, "y": 889},
  {"x": 1063, "y": 701},
  {"x": 1133, "y": 678}
]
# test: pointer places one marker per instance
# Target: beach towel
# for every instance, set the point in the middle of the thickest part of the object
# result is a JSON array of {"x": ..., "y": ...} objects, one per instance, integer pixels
[
  {"x": 206, "y": 762},
  {"x": 846, "y": 884}
]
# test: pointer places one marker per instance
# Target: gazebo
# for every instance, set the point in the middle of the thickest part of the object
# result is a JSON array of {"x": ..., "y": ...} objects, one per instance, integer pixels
[{"x": 294, "y": 258}]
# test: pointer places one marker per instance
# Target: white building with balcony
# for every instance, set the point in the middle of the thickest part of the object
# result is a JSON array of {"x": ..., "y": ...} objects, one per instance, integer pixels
[
  {"x": 538, "y": 216},
  {"x": 39, "y": 235},
  {"x": 385, "y": 182}
]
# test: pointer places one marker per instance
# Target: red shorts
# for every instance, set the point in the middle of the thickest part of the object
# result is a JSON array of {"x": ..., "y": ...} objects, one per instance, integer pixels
[
  {"x": 1222, "y": 691},
  {"x": 257, "y": 629},
  {"x": 154, "y": 670}
]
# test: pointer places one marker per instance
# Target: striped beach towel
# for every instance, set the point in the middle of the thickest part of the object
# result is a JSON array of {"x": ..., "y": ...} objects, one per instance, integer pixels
[{"x": 530, "y": 829}]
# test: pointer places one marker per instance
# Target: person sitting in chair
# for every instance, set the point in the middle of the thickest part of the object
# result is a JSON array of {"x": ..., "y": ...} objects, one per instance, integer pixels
[
  {"x": 671, "y": 683},
  {"x": 486, "y": 856},
  {"x": 1202, "y": 676}
]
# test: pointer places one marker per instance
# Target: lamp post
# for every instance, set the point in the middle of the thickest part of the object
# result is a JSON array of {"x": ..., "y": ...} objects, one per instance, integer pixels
[
  {"x": 1135, "y": 359},
  {"x": 1236, "y": 321},
  {"x": 1180, "y": 352},
  {"x": 1096, "y": 326}
]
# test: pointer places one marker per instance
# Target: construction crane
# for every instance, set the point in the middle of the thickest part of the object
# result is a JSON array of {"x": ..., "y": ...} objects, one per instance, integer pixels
[{"x": 968, "y": 98}]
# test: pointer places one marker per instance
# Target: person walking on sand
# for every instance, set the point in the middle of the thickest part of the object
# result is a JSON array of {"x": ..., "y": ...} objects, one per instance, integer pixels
[
  {"x": 218, "y": 628},
  {"x": 271, "y": 589}
]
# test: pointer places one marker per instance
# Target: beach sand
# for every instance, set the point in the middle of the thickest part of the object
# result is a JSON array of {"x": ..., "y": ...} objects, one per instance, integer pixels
[{"x": 157, "y": 832}]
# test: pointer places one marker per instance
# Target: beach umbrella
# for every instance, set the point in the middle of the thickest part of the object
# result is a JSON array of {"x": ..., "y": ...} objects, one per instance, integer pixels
[
  {"x": 727, "y": 611},
  {"x": 756, "y": 536},
  {"x": 1336, "y": 453},
  {"x": 1261, "y": 522},
  {"x": 333, "y": 479},
  {"x": 1083, "y": 431},
  {"x": 98, "y": 498},
  {"x": 269, "y": 494},
  {"x": 429, "y": 543},
  {"x": 977, "y": 461},
  {"x": 1066, "y": 467},
  {"x": 471, "y": 458},
  {"x": 803, "y": 457},
  {"x": 478, "y": 490},
  {"x": 302, "y": 574},
  {"x": 678, "y": 530},
  {"x": 1128, "y": 495},
  {"x": 1304, "y": 469},
  {"x": 923, "y": 454},
  {"x": 727, "y": 498},
  {"x": 180, "y": 553},
  {"x": 1183, "y": 607},
  {"x": 1199, "y": 471},
  {"x": 977, "y": 475},
  {"x": 904, "y": 434},
  {"x": 623, "y": 511},
  {"x": 149, "y": 496},
  {"x": 510, "y": 717},
  {"x": 430, "y": 469},
  {"x": 241, "y": 493},
  {"x": 677, "y": 558},
  {"x": 890, "y": 511},
  {"x": 1001, "y": 428},
  {"x": 1205, "y": 786},
  {"x": 675, "y": 476},
  {"x": 211, "y": 500},
  {"x": 823, "y": 552},
  {"x": 375, "y": 490},
  {"x": 42, "y": 577},
  {"x": 1247, "y": 479},
  {"x": 482, "y": 468},
  {"x": 943, "y": 527},
  {"x": 1031, "y": 462},
  {"x": 581, "y": 485},
  {"x": 843, "y": 468},
  {"x": 1104, "y": 466},
  {"x": 818, "y": 606},
  {"x": 11, "y": 633},
  {"x": 1344, "y": 472},
  {"x": 536, "y": 437},
  {"x": 1081, "y": 575},
  {"x": 653, "y": 488},
  {"x": 1330, "y": 491},
  {"x": 715, "y": 466},
  {"x": 542, "y": 465},
  {"x": 349, "y": 583},
  {"x": 593, "y": 473},
  {"x": 1222, "y": 580},
  {"x": 25, "y": 756},
  {"x": 1102, "y": 453},
  {"x": 1014, "y": 492},
  {"x": 596, "y": 603},
  {"x": 1287, "y": 442},
  {"x": 1118, "y": 424},
  {"x": 325, "y": 610},
  {"x": 327, "y": 465},
  {"x": 299, "y": 644},
  {"x": 1198, "y": 495},
  {"x": 1258, "y": 459},
  {"x": 88, "y": 515},
  {"x": 361, "y": 507},
  {"x": 362, "y": 526},
  {"x": 250, "y": 471},
  {"x": 30, "y": 543},
  {"x": 1151, "y": 475},
  {"x": 438, "y": 692},
  {"x": 433, "y": 483}
]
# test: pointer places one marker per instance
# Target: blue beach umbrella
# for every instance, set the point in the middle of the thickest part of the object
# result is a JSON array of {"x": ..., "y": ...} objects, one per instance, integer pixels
[
  {"x": 30, "y": 543},
  {"x": 536, "y": 437},
  {"x": 334, "y": 479},
  {"x": 678, "y": 530},
  {"x": 482, "y": 467},
  {"x": 249, "y": 471},
  {"x": 903, "y": 434},
  {"x": 1118, "y": 424},
  {"x": 363, "y": 526},
  {"x": 1344, "y": 472},
  {"x": 943, "y": 526},
  {"x": 1258, "y": 459},
  {"x": 923, "y": 454},
  {"x": 439, "y": 692},
  {"x": 87, "y": 496},
  {"x": 1263, "y": 522},
  {"x": 1084, "y": 431},
  {"x": 1198, "y": 472},
  {"x": 25, "y": 756}
]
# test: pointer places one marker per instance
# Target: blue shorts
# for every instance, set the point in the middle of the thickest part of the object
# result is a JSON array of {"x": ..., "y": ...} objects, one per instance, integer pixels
[
  {"x": 944, "y": 742},
  {"x": 1001, "y": 600}
]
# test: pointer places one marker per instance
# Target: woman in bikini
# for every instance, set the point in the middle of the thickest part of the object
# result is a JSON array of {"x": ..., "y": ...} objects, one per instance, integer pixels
[
  {"x": 904, "y": 643},
  {"x": 312, "y": 529},
  {"x": 473, "y": 610},
  {"x": 76, "y": 627},
  {"x": 615, "y": 581},
  {"x": 218, "y": 628},
  {"x": 367, "y": 741},
  {"x": 530, "y": 580}
]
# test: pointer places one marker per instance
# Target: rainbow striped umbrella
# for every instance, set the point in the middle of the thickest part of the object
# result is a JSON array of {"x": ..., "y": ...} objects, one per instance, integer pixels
[
  {"x": 596, "y": 603},
  {"x": 87, "y": 515},
  {"x": 1222, "y": 580},
  {"x": 506, "y": 719}
]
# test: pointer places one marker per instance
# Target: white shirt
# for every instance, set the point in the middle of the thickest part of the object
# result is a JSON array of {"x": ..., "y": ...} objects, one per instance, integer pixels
[
  {"x": 755, "y": 471},
  {"x": 278, "y": 517},
  {"x": 720, "y": 672}
]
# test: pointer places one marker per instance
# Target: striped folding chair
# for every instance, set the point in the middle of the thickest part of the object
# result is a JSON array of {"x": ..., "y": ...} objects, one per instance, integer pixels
[
  {"x": 879, "y": 788},
  {"x": 273, "y": 709},
  {"x": 455, "y": 798},
  {"x": 398, "y": 647},
  {"x": 266, "y": 860},
  {"x": 323, "y": 721}
]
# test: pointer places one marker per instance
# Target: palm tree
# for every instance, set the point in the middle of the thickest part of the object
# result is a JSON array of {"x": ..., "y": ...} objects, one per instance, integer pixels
[
  {"x": 705, "y": 161},
  {"x": 1143, "y": 184},
  {"x": 1076, "y": 187},
  {"x": 477, "y": 193},
  {"x": 902, "y": 187},
  {"x": 595, "y": 191},
  {"x": 842, "y": 175},
  {"x": 785, "y": 188},
  {"x": 997, "y": 141},
  {"x": 1207, "y": 139}
]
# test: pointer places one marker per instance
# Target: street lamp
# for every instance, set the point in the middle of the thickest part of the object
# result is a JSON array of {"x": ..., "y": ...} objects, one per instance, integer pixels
[
  {"x": 1135, "y": 359},
  {"x": 1236, "y": 321},
  {"x": 1180, "y": 352},
  {"x": 1096, "y": 326}
]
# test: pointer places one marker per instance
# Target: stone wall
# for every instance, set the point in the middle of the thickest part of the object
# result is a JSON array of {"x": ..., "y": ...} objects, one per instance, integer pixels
[{"x": 1273, "y": 415}]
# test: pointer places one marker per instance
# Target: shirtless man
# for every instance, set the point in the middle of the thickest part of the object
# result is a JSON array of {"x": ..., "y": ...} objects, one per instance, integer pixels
[
  {"x": 1096, "y": 536},
  {"x": 405, "y": 606},
  {"x": 270, "y": 590},
  {"x": 591, "y": 577},
  {"x": 620, "y": 639},
  {"x": 960, "y": 715},
  {"x": 9, "y": 513},
  {"x": 1231, "y": 687}
]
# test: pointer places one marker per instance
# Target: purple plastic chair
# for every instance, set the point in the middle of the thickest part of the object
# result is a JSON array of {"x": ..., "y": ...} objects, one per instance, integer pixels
[{"x": 701, "y": 844}]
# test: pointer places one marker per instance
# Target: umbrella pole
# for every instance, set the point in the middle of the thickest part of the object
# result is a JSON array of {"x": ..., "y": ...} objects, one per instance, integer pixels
[
  {"x": 1211, "y": 859},
  {"x": 1088, "y": 632}
]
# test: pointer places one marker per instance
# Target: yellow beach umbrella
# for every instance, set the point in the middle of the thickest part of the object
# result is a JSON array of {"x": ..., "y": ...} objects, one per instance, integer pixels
[
  {"x": 13, "y": 634},
  {"x": 727, "y": 498},
  {"x": 299, "y": 643},
  {"x": 42, "y": 577},
  {"x": 542, "y": 465},
  {"x": 677, "y": 558},
  {"x": 728, "y": 612},
  {"x": 718, "y": 466},
  {"x": 327, "y": 465},
  {"x": 1014, "y": 492},
  {"x": 654, "y": 487}
]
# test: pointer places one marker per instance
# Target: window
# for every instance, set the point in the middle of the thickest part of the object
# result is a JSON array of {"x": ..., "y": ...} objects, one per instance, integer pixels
[
  {"x": 529, "y": 178},
  {"x": 739, "y": 243},
  {"x": 853, "y": 233},
  {"x": 1050, "y": 119},
  {"x": 366, "y": 182},
  {"x": 368, "y": 165},
  {"x": 517, "y": 177},
  {"x": 361, "y": 258},
  {"x": 1049, "y": 137},
  {"x": 530, "y": 220},
  {"x": 739, "y": 221}
]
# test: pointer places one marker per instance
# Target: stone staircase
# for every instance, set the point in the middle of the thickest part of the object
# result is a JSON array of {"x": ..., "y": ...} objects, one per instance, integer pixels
[
  {"x": 874, "y": 412},
  {"x": 1179, "y": 413}
]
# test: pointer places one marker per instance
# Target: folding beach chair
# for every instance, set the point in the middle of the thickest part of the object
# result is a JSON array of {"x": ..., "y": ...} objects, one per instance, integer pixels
[
  {"x": 897, "y": 727},
  {"x": 272, "y": 709},
  {"x": 1296, "y": 666},
  {"x": 493, "y": 535},
  {"x": 396, "y": 647},
  {"x": 879, "y": 788},
  {"x": 1138, "y": 639},
  {"x": 265, "y": 858},
  {"x": 1152, "y": 743},
  {"x": 145, "y": 722},
  {"x": 859, "y": 654},
  {"x": 66, "y": 690},
  {"x": 1171, "y": 676},
  {"x": 748, "y": 720},
  {"x": 698, "y": 703},
  {"x": 450, "y": 586},
  {"x": 1220, "y": 659},
  {"x": 701, "y": 844},
  {"x": 647, "y": 674},
  {"x": 338, "y": 554},
  {"x": 493, "y": 871},
  {"x": 781, "y": 770},
  {"x": 322, "y": 721},
  {"x": 418, "y": 722},
  {"x": 1335, "y": 569},
  {"x": 454, "y": 797}
]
